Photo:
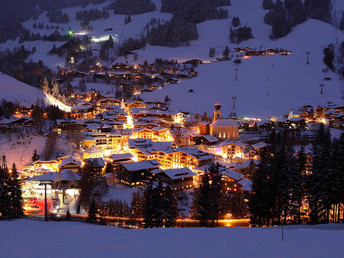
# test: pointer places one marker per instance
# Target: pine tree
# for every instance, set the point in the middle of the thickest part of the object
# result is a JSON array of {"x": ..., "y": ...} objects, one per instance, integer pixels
[
  {"x": 35, "y": 156},
  {"x": 170, "y": 207},
  {"x": 136, "y": 207},
  {"x": 15, "y": 191},
  {"x": 4, "y": 190},
  {"x": 226, "y": 52},
  {"x": 238, "y": 207},
  {"x": 318, "y": 181},
  {"x": 92, "y": 212},
  {"x": 45, "y": 86},
  {"x": 207, "y": 199}
]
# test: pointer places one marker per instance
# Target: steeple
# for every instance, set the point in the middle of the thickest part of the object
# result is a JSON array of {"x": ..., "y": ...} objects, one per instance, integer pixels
[{"x": 217, "y": 111}]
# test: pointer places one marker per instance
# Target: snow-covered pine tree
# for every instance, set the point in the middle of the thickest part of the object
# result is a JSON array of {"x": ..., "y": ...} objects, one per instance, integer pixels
[{"x": 45, "y": 86}]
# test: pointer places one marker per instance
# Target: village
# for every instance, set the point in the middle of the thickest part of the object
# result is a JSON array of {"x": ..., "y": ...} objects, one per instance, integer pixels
[{"x": 130, "y": 143}]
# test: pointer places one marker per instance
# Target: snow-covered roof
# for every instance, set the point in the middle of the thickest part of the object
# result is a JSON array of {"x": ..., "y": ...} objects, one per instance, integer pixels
[
  {"x": 232, "y": 142},
  {"x": 259, "y": 145},
  {"x": 95, "y": 162},
  {"x": 67, "y": 175},
  {"x": 178, "y": 173},
  {"x": 50, "y": 176},
  {"x": 93, "y": 149},
  {"x": 121, "y": 156},
  {"x": 210, "y": 138},
  {"x": 224, "y": 122},
  {"x": 69, "y": 160},
  {"x": 146, "y": 164},
  {"x": 246, "y": 184}
]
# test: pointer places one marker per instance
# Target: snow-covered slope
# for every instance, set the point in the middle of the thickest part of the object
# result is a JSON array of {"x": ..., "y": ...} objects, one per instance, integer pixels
[
  {"x": 73, "y": 239},
  {"x": 266, "y": 86},
  {"x": 14, "y": 90}
]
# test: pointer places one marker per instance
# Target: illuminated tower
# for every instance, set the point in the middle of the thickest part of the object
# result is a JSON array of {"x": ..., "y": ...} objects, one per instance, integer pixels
[{"x": 217, "y": 111}]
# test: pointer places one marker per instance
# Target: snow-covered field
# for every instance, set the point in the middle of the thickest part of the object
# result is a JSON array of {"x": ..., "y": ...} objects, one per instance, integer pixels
[{"x": 27, "y": 238}]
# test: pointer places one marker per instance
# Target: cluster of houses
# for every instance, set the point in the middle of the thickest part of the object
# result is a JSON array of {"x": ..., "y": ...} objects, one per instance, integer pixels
[{"x": 131, "y": 143}]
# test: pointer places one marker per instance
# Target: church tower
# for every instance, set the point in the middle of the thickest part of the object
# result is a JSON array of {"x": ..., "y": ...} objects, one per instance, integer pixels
[{"x": 217, "y": 111}]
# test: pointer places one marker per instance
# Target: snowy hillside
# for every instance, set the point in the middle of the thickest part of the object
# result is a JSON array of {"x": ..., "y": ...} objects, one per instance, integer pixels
[
  {"x": 14, "y": 90},
  {"x": 73, "y": 239},
  {"x": 266, "y": 85}
]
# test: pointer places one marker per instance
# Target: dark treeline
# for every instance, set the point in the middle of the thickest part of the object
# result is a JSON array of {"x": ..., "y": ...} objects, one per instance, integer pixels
[
  {"x": 131, "y": 44},
  {"x": 196, "y": 11},
  {"x": 57, "y": 16},
  {"x": 15, "y": 65},
  {"x": 298, "y": 187},
  {"x": 91, "y": 15},
  {"x": 283, "y": 16},
  {"x": 240, "y": 34},
  {"x": 131, "y": 7},
  {"x": 172, "y": 33},
  {"x": 47, "y": 5},
  {"x": 72, "y": 49}
]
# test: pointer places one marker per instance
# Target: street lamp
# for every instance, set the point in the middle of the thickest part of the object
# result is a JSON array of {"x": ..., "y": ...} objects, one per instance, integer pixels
[{"x": 45, "y": 183}]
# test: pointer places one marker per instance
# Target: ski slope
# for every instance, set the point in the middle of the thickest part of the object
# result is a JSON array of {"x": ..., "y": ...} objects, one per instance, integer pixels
[{"x": 266, "y": 86}]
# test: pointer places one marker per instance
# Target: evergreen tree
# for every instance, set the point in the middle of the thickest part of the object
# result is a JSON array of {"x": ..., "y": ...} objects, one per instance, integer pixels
[
  {"x": 226, "y": 52},
  {"x": 319, "y": 180},
  {"x": 238, "y": 207},
  {"x": 136, "y": 207},
  {"x": 207, "y": 200},
  {"x": 4, "y": 190},
  {"x": 341, "y": 23},
  {"x": 35, "y": 156},
  {"x": 268, "y": 4},
  {"x": 169, "y": 207},
  {"x": 236, "y": 21},
  {"x": 92, "y": 212}
]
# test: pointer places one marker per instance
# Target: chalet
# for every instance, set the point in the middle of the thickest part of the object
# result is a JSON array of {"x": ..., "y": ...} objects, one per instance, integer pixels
[
  {"x": 95, "y": 164},
  {"x": 232, "y": 149},
  {"x": 205, "y": 139},
  {"x": 52, "y": 165},
  {"x": 84, "y": 111},
  {"x": 108, "y": 102},
  {"x": 93, "y": 152},
  {"x": 71, "y": 163},
  {"x": 180, "y": 178},
  {"x": 137, "y": 173},
  {"x": 121, "y": 158},
  {"x": 68, "y": 126}
]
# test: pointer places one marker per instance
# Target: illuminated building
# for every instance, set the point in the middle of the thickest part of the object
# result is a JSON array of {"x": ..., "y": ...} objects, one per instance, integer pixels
[
  {"x": 232, "y": 149},
  {"x": 223, "y": 128}
]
